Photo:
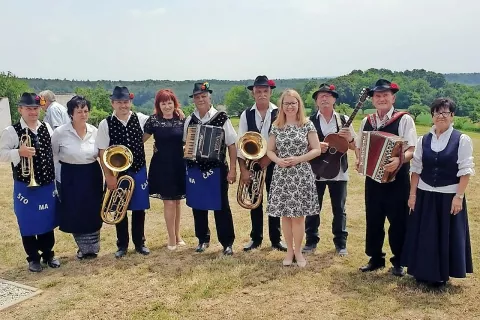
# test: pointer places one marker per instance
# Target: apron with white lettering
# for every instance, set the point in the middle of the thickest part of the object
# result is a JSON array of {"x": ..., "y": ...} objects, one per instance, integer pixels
[
  {"x": 140, "y": 197},
  {"x": 35, "y": 208},
  {"x": 203, "y": 190}
]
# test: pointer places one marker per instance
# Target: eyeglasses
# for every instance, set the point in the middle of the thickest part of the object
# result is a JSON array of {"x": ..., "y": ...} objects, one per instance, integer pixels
[
  {"x": 287, "y": 104},
  {"x": 443, "y": 114}
]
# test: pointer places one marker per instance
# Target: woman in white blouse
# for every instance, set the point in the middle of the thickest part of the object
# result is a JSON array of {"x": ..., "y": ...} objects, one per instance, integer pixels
[
  {"x": 79, "y": 178},
  {"x": 437, "y": 244}
]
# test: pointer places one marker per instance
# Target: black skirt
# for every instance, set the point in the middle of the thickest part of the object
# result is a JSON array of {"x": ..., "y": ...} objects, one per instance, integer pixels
[
  {"x": 81, "y": 195},
  {"x": 166, "y": 177},
  {"x": 437, "y": 244}
]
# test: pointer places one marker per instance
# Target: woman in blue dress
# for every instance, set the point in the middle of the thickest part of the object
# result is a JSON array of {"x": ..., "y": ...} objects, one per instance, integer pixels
[
  {"x": 166, "y": 176},
  {"x": 437, "y": 245}
]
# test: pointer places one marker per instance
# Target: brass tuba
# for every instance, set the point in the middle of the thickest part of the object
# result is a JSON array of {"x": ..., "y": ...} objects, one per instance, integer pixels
[
  {"x": 117, "y": 158},
  {"x": 27, "y": 163},
  {"x": 253, "y": 147}
]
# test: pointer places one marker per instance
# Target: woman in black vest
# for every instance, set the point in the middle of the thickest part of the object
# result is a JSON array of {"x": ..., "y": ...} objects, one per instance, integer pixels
[
  {"x": 166, "y": 175},
  {"x": 437, "y": 245},
  {"x": 79, "y": 178},
  {"x": 387, "y": 200},
  {"x": 33, "y": 205}
]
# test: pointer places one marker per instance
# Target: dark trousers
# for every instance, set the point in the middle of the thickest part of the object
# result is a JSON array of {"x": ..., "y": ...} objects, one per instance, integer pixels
[
  {"x": 40, "y": 242},
  {"x": 223, "y": 218},
  {"x": 138, "y": 227},
  {"x": 338, "y": 196},
  {"x": 386, "y": 200},
  {"x": 256, "y": 216}
]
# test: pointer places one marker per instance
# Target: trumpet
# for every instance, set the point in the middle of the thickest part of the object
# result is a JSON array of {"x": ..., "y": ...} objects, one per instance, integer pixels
[
  {"x": 253, "y": 147},
  {"x": 27, "y": 163},
  {"x": 117, "y": 158}
]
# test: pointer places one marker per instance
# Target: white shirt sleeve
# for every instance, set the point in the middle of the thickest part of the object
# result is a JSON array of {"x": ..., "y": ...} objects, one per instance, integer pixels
[
  {"x": 416, "y": 163},
  {"x": 57, "y": 115},
  {"x": 465, "y": 157},
  {"x": 408, "y": 131},
  {"x": 8, "y": 146},
  {"x": 230, "y": 133},
  {"x": 56, "y": 150},
  {"x": 352, "y": 131},
  {"x": 242, "y": 128},
  {"x": 142, "y": 118},
  {"x": 358, "y": 139},
  {"x": 103, "y": 137}
]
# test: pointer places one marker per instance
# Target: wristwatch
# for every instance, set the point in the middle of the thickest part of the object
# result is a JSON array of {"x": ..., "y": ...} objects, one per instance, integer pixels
[{"x": 460, "y": 196}]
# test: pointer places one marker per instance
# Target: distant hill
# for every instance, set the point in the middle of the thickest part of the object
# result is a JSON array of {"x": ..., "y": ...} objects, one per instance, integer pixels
[{"x": 472, "y": 79}]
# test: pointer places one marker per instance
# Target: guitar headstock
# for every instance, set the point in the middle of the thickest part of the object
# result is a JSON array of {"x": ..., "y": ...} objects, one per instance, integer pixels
[{"x": 363, "y": 95}]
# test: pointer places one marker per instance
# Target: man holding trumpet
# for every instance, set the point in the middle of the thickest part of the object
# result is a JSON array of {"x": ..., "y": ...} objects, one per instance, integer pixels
[{"x": 27, "y": 145}]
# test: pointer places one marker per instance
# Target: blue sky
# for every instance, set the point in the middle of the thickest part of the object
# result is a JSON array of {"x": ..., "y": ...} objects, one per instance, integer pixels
[{"x": 227, "y": 39}]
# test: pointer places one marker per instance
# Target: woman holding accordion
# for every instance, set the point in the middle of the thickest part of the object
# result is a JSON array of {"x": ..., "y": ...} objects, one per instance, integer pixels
[
  {"x": 79, "y": 178},
  {"x": 437, "y": 244}
]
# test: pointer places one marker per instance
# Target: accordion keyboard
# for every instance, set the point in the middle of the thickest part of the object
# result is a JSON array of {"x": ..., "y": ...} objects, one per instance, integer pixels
[{"x": 190, "y": 145}]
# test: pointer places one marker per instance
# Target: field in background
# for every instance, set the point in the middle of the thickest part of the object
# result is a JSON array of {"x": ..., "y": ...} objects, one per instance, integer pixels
[{"x": 186, "y": 285}]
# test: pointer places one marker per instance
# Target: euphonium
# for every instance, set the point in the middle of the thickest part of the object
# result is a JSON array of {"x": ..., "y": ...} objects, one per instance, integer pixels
[
  {"x": 253, "y": 147},
  {"x": 117, "y": 158},
  {"x": 27, "y": 163}
]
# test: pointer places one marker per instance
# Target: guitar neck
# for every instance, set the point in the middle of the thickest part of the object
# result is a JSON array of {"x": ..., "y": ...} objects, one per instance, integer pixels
[{"x": 358, "y": 106}]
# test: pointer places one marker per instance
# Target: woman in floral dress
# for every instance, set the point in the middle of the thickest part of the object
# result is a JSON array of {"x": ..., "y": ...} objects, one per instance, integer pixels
[{"x": 292, "y": 143}]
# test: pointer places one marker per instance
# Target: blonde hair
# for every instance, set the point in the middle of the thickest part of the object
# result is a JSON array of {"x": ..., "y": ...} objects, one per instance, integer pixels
[
  {"x": 48, "y": 95},
  {"x": 281, "y": 120}
]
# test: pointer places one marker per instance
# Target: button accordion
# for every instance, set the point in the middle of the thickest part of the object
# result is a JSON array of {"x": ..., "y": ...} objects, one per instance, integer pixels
[
  {"x": 375, "y": 152},
  {"x": 204, "y": 142}
]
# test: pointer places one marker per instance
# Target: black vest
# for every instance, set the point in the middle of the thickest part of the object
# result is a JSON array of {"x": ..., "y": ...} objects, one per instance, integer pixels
[
  {"x": 44, "y": 170},
  {"x": 321, "y": 136},
  {"x": 218, "y": 120},
  {"x": 251, "y": 123},
  {"x": 393, "y": 129},
  {"x": 131, "y": 136},
  {"x": 440, "y": 169}
]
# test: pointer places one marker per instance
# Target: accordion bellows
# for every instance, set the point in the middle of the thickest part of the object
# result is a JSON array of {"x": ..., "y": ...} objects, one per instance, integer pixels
[
  {"x": 375, "y": 152},
  {"x": 204, "y": 142}
]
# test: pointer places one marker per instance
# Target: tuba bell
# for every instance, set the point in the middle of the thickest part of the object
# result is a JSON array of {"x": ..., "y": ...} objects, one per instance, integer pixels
[
  {"x": 26, "y": 164},
  {"x": 253, "y": 147},
  {"x": 117, "y": 158}
]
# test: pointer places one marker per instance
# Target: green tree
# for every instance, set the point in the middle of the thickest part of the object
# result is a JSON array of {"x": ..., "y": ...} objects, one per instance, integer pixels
[
  {"x": 98, "y": 96},
  {"x": 12, "y": 88},
  {"x": 344, "y": 108},
  {"x": 417, "y": 109},
  {"x": 188, "y": 109},
  {"x": 96, "y": 116},
  {"x": 237, "y": 99}
]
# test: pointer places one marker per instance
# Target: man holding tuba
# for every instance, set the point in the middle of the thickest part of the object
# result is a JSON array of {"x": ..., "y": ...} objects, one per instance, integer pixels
[
  {"x": 125, "y": 128},
  {"x": 258, "y": 118},
  {"x": 27, "y": 145}
]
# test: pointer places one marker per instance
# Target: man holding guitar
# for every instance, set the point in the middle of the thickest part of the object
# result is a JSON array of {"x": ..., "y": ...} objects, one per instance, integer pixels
[{"x": 331, "y": 167}]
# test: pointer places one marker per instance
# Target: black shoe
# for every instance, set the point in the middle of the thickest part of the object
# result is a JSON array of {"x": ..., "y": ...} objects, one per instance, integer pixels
[
  {"x": 397, "y": 271},
  {"x": 143, "y": 250},
  {"x": 228, "y": 251},
  {"x": 372, "y": 266},
  {"x": 53, "y": 262},
  {"x": 252, "y": 245},
  {"x": 202, "y": 247},
  {"x": 279, "y": 246},
  {"x": 309, "y": 248},
  {"x": 121, "y": 252},
  {"x": 35, "y": 266},
  {"x": 342, "y": 252}
]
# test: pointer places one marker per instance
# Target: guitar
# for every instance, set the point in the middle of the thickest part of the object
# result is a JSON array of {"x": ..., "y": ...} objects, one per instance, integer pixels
[{"x": 328, "y": 164}]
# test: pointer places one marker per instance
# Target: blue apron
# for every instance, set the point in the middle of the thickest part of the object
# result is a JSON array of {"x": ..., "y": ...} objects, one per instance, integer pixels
[
  {"x": 203, "y": 189},
  {"x": 35, "y": 208},
  {"x": 140, "y": 197}
]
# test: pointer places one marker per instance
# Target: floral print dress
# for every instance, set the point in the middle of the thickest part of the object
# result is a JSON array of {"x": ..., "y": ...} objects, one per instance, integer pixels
[{"x": 293, "y": 192}]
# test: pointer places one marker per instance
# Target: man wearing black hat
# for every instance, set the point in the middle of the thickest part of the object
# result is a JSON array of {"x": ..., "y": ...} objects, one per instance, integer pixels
[
  {"x": 125, "y": 127},
  {"x": 207, "y": 186},
  {"x": 34, "y": 198},
  {"x": 387, "y": 200},
  {"x": 259, "y": 118},
  {"x": 327, "y": 121}
]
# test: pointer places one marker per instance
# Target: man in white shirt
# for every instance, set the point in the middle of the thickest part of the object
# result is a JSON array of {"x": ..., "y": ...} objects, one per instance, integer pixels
[
  {"x": 328, "y": 121},
  {"x": 259, "y": 118},
  {"x": 208, "y": 179},
  {"x": 387, "y": 200},
  {"x": 55, "y": 113}
]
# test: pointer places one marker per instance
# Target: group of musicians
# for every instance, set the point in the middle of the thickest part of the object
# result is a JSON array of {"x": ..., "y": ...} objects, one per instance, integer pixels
[{"x": 427, "y": 213}]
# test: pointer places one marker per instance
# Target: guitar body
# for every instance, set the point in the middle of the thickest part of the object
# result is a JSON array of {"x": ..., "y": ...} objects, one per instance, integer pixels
[{"x": 328, "y": 164}]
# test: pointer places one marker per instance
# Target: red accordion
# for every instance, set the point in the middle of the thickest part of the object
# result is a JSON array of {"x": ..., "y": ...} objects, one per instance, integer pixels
[{"x": 375, "y": 152}]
